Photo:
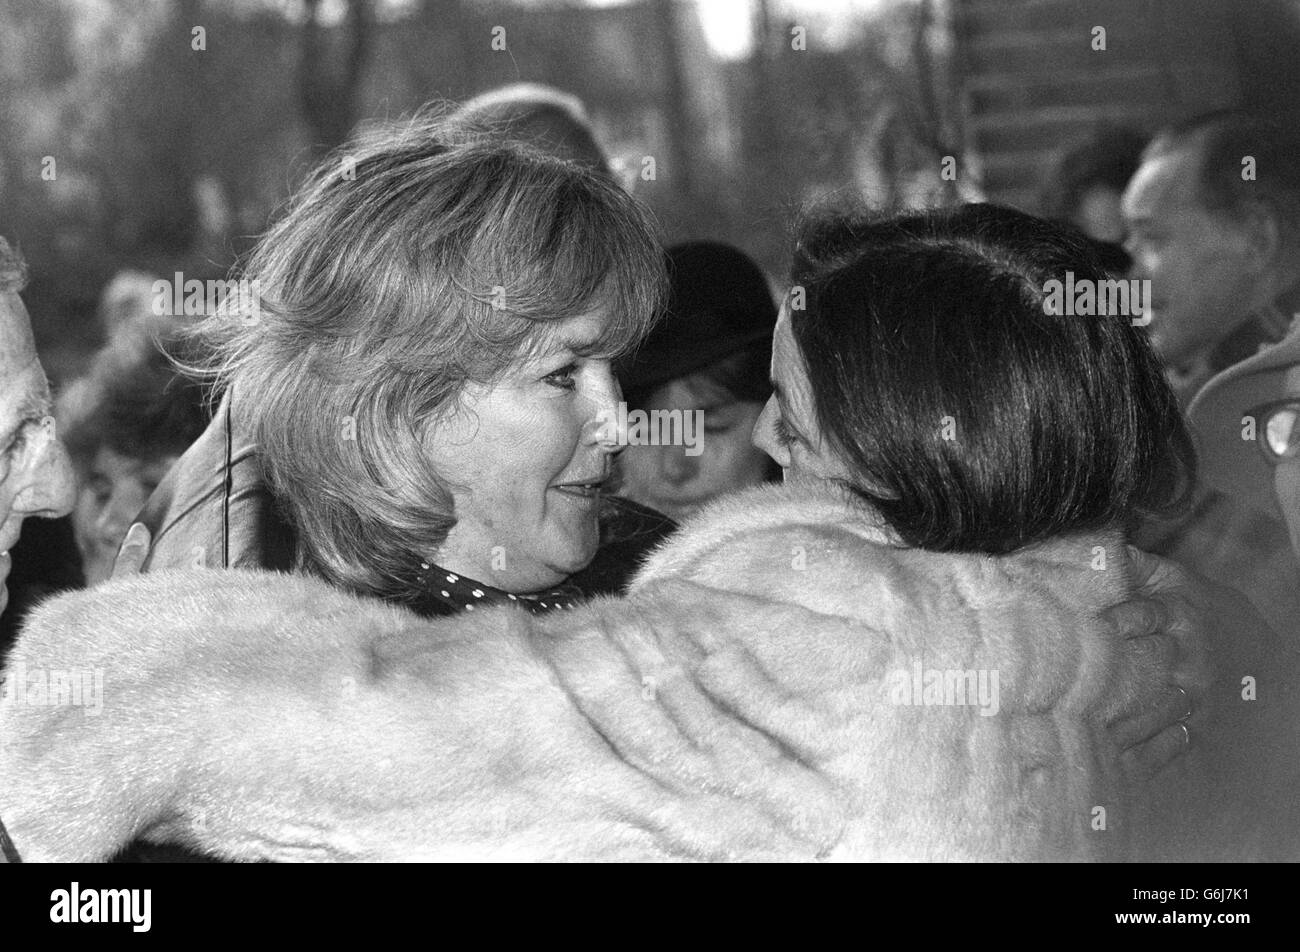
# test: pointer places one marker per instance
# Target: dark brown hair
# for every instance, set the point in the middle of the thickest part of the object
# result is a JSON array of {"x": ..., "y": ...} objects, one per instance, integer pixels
[{"x": 1059, "y": 423}]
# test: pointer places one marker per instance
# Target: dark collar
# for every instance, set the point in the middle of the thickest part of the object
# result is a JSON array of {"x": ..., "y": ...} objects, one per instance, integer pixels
[{"x": 440, "y": 592}]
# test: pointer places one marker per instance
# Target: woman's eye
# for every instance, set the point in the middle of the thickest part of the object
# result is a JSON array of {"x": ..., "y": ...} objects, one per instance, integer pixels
[
  {"x": 784, "y": 435},
  {"x": 563, "y": 378},
  {"x": 100, "y": 488},
  {"x": 717, "y": 428}
]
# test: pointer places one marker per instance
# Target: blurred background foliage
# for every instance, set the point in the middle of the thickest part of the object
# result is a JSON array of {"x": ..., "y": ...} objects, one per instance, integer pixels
[
  {"x": 124, "y": 146},
  {"x": 121, "y": 145}
]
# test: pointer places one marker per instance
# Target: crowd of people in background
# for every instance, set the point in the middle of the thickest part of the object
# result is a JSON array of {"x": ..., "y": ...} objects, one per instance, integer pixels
[
  {"x": 229, "y": 483},
  {"x": 1219, "y": 249}
]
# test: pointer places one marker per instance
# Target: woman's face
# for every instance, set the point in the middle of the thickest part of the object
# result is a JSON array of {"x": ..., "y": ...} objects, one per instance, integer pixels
[
  {"x": 526, "y": 464},
  {"x": 1099, "y": 215},
  {"x": 787, "y": 429},
  {"x": 669, "y": 480},
  {"x": 113, "y": 493}
]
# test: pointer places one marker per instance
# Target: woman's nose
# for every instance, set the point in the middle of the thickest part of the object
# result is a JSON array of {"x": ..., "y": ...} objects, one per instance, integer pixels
[
  {"x": 605, "y": 425},
  {"x": 764, "y": 436},
  {"x": 115, "y": 518}
]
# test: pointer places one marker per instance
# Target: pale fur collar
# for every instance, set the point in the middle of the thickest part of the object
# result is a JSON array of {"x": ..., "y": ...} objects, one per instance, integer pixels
[
  {"x": 740, "y": 703},
  {"x": 832, "y": 515}
]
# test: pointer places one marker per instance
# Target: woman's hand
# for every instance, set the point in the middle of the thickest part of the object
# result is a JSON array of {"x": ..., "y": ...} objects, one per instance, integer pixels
[{"x": 1165, "y": 624}]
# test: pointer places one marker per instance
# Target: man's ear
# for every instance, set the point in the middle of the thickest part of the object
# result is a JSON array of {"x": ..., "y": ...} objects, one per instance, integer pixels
[{"x": 1264, "y": 234}]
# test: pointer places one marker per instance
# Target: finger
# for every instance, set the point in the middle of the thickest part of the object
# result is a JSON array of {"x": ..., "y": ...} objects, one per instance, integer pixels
[
  {"x": 1146, "y": 759},
  {"x": 1138, "y": 617},
  {"x": 1158, "y": 713},
  {"x": 1153, "y": 573},
  {"x": 134, "y": 550},
  {"x": 1145, "y": 567},
  {"x": 1147, "y": 666}
]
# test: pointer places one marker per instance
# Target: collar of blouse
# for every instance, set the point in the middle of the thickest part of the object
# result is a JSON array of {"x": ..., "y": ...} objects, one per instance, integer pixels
[{"x": 442, "y": 592}]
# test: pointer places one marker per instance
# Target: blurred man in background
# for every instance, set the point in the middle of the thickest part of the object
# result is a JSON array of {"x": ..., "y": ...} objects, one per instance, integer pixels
[
  {"x": 1213, "y": 216},
  {"x": 35, "y": 476},
  {"x": 1214, "y": 220}
]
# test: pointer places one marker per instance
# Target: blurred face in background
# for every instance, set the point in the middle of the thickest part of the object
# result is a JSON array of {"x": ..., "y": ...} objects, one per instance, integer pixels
[
  {"x": 35, "y": 474},
  {"x": 1204, "y": 273},
  {"x": 666, "y": 479},
  {"x": 1100, "y": 214},
  {"x": 113, "y": 492}
]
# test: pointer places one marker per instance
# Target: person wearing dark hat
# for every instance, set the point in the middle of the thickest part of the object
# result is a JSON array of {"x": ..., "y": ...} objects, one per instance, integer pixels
[
  {"x": 1247, "y": 425},
  {"x": 706, "y": 361}
]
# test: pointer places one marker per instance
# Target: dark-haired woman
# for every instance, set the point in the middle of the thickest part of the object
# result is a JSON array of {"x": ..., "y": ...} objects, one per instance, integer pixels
[{"x": 899, "y": 654}]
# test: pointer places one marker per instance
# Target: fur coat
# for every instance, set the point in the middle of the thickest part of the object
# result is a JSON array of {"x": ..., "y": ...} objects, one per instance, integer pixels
[{"x": 779, "y": 683}]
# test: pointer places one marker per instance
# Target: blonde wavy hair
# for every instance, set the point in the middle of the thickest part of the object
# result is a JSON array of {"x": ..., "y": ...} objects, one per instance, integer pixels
[{"x": 415, "y": 260}]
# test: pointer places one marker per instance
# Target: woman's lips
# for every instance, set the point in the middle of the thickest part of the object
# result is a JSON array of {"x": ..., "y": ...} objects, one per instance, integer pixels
[
  {"x": 587, "y": 491},
  {"x": 579, "y": 491}
]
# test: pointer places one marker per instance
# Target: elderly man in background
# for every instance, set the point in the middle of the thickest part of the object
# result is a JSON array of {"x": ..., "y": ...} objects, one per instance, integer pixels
[
  {"x": 35, "y": 475},
  {"x": 1214, "y": 223},
  {"x": 1213, "y": 216}
]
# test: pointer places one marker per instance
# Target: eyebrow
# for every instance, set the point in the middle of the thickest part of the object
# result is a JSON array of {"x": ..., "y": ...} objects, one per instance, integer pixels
[
  {"x": 584, "y": 347},
  {"x": 35, "y": 406},
  {"x": 565, "y": 347}
]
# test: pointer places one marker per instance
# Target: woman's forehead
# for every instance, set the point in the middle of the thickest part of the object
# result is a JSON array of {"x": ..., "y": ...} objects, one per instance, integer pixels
[
  {"x": 576, "y": 334},
  {"x": 785, "y": 353}
]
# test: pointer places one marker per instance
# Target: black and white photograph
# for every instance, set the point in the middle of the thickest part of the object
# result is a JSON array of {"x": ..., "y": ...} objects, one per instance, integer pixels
[{"x": 649, "y": 431}]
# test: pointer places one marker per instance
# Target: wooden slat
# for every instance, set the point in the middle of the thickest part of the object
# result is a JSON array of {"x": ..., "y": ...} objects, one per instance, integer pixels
[
  {"x": 995, "y": 81},
  {"x": 994, "y": 134},
  {"x": 1031, "y": 82},
  {"x": 1144, "y": 86},
  {"x": 994, "y": 41},
  {"x": 1065, "y": 115},
  {"x": 1076, "y": 54},
  {"x": 1001, "y": 17}
]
